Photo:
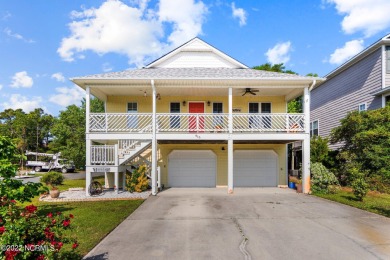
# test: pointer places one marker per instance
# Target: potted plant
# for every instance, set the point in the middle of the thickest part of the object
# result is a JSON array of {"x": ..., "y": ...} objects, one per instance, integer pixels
[
  {"x": 291, "y": 182},
  {"x": 52, "y": 179}
]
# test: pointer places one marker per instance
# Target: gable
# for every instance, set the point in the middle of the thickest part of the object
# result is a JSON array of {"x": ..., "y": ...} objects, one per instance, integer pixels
[{"x": 196, "y": 54}]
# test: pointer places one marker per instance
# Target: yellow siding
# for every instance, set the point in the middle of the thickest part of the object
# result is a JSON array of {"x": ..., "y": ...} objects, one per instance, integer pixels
[
  {"x": 165, "y": 149},
  {"x": 118, "y": 104}
]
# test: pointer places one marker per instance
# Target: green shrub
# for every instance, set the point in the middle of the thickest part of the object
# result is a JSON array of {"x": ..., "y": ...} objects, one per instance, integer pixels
[
  {"x": 137, "y": 181},
  {"x": 360, "y": 188},
  {"x": 322, "y": 179},
  {"x": 318, "y": 149},
  {"x": 52, "y": 179}
]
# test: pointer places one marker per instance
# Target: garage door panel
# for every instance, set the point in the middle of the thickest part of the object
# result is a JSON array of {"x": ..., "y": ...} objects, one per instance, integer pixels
[
  {"x": 192, "y": 168},
  {"x": 255, "y": 168}
]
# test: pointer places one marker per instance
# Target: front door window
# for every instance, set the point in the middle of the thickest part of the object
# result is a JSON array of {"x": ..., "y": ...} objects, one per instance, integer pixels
[
  {"x": 218, "y": 120},
  {"x": 266, "y": 120}
]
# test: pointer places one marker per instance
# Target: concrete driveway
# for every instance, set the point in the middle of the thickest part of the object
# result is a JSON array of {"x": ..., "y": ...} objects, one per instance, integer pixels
[{"x": 250, "y": 224}]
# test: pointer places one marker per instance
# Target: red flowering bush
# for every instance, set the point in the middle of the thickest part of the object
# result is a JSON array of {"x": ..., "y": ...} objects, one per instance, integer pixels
[{"x": 24, "y": 234}]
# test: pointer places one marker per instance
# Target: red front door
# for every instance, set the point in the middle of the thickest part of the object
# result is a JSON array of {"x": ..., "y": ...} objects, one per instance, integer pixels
[{"x": 196, "y": 122}]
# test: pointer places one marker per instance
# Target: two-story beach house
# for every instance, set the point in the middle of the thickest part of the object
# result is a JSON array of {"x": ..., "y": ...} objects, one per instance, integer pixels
[
  {"x": 362, "y": 83},
  {"x": 199, "y": 118}
]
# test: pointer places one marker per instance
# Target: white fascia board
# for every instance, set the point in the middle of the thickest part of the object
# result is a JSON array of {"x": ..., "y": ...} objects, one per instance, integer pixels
[{"x": 358, "y": 57}]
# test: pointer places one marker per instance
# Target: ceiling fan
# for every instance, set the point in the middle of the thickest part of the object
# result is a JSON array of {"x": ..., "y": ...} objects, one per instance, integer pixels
[{"x": 250, "y": 91}]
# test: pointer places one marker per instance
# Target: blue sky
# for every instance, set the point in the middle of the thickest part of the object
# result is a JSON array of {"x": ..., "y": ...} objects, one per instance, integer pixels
[{"x": 44, "y": 43}]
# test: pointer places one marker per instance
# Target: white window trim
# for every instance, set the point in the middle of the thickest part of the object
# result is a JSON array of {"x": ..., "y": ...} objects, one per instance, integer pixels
[
  {"x": 127, "y": 107},
  {"x": 212, "y": 106},
  {"x": 311, "y": 127},
  {"x": 384, "y": 99},
  {"x": 260, "y": 106},
  {"x": 180, "y": 105},
  {"x": 365, "y": 106}
]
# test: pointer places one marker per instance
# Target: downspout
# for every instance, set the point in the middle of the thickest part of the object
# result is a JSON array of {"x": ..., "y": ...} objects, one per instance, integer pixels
[{"x": 154, "y": 141}]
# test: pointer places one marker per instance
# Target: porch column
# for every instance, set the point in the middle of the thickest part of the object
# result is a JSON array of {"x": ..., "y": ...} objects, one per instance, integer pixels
[
  {"x": 230, "y": 144},
  {"x": 87, "y": 108},
  {"x": 88, "y": 177},
  {"x": 306, "y": 144},
  {"x": 154, "y": 142},
  {"x": 116, "y": 180}
]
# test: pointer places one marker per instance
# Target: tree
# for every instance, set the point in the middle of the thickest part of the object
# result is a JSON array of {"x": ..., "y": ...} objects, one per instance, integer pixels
[
  {"x": 318, "y": 149},
  {"x": 10, "y": 188},
  {"x": 365, "y": 139},
  {"x": 69, "y": 131},
  {"x": 274, "y": 67}
]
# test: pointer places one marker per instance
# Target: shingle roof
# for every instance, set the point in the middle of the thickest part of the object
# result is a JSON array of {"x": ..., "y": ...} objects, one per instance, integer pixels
[{"x": 193, "y": 73}]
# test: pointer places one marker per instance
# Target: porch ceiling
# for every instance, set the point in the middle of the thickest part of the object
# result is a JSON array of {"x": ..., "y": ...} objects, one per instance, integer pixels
[{"x": 186, "y": 90}]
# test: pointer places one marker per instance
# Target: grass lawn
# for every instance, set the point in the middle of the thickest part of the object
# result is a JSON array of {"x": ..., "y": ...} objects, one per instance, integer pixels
[
  {"x": 375, "y": 202},
  {"x": 93, "y": 220}
]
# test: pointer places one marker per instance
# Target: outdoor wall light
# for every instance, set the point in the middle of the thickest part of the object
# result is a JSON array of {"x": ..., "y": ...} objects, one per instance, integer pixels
[
  {"x": 184, "y": 103},
  {"x": 158, "y": 96},
  {"x": 223, "y": 148},
  {"x": 208, "y": 103}
]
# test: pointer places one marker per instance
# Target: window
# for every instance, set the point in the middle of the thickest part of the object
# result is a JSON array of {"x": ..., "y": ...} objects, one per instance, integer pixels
[
  {"x": 218, "y": 120},
  {"x": 132, "y": 107},
  {"x": 217, "y": 108},
  {"x": 254, "y": 121},
  {"x": 387, "y": 100},
  {"x": 314, "y": 128},
  {"x": 253, "y": 107},
  {"x": 265, "y": 107},
  {"x": 387, "y": 59},
  {"x": 132, "y": 120},
  {"x": 362, "y": 107},
  {"x": 266, "y": 120},
  {"x": 174, "y": 121}
]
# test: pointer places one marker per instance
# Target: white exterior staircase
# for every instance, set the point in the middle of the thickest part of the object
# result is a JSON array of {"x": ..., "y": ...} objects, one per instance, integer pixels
[{"x": 129, "y": 150}]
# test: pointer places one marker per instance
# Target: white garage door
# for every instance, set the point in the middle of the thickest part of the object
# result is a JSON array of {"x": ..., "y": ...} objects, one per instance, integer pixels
[
  {"x": 255, "y": 168},
  {"x": 192, "y": 168}
]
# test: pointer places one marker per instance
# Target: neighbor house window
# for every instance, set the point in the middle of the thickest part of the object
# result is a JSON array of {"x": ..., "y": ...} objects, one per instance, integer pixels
[
  {"x": 387, "y": 59},
  {"x": 362, "y": 107},
  {"x": 314, "y": 128},
  {"x": 387, "y": 100},
  {"x": 174, "y": 121}
]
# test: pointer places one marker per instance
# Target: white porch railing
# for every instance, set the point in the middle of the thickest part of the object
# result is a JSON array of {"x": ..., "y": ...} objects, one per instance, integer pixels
[
  {"x": 190, "y": 122},
  {"x": 103, "y": 154},
  {"x": 268, "y": 123},
  {"x": 120, "y": 122},
  {"x": 195, "y": 123}
]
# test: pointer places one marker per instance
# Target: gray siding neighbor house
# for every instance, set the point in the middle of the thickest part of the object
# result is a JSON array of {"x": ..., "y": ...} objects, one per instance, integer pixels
[{"x": 362, "y": 83}]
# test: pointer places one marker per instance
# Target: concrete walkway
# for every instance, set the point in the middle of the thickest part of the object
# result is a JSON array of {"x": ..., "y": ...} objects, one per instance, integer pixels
[{"x": 250, "y": 224}]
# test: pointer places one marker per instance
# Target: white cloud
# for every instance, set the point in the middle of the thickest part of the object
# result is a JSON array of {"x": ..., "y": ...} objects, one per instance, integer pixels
[
  {"x": 58, "y": 76},
  {"x": 22, "y": 80},
  {"x": 6, "y": 16},
  {"x": 186, "y": 16},
  {"x": 239, "y": 13},
  {"x": 27, "y": 104},
  {"x": 67, "y": 96},
  {"x": 9, "y": 32},
  {"x": 370, "y": 17},
  {"x": 134, "y": 31},
  {"x": 106, "y": 67},
  {"x": 280, "y": 53},
  {"x": 349, "y": 49}
]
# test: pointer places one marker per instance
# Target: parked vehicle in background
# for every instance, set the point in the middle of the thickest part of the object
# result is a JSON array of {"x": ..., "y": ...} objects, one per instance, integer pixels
[{"x": 54, "y": 162}]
